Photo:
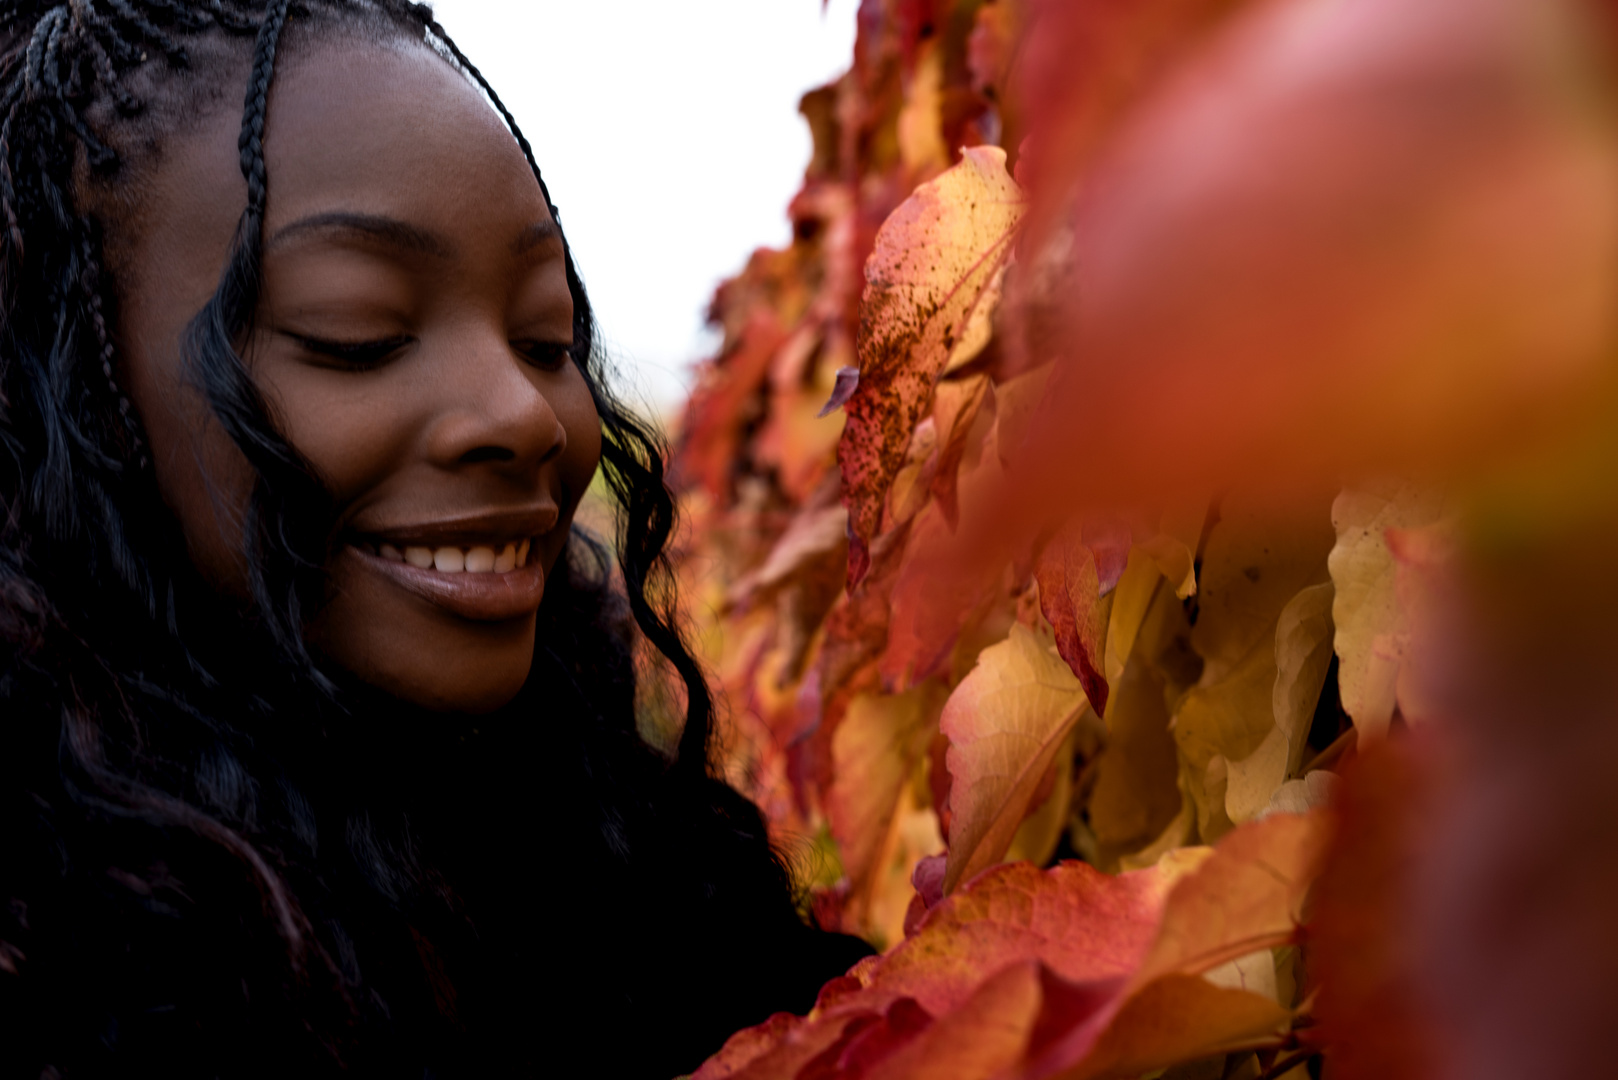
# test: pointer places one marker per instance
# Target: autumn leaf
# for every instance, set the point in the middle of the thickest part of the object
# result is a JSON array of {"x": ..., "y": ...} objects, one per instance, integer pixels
[
  {"x": 1256, "y": 561},
  {"x": 1225, "y": 324},
  {"x": 1371, "y": 629},
  {"x": 877, "y": 751},
  {"x": 1303, "y": 636},
  {"x": 1084, "y": 65},
  {"x": 956, "y": 406},
  {"x": 984, "y": 1036},
  {"x": 1249, "y": 896},
  {"x": 1082, "y": 924},
  {"x": 1371, "y": 1009},
  {"x": 1137, "y": 795},
  {"x": 926, "y": 280},
  {"x": 1073, "y": 578},
  {"x": 937, "y": 592},
  {"x": 1244, "y": 896},
  {"x": 1174, "y": 1019},
  {"x": 1005, "y": 724},
  {"x": 713, "y": 424},
  {"x": 811, "y": 539},
  {"x": 1061, "y": 972}
]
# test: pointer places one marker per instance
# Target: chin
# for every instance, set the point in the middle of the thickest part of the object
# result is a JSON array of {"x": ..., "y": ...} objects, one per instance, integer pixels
[
  {"x": 427, "y": 658},
  {"x": 473, "y": 691}
]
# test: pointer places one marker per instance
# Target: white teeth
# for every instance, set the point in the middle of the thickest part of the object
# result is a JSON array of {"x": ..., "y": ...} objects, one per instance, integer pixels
[{"x": 483, "y": 559}]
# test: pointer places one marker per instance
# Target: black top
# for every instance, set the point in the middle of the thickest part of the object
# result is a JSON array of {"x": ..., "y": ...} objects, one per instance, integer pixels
[{"x": 561, "y": 907}]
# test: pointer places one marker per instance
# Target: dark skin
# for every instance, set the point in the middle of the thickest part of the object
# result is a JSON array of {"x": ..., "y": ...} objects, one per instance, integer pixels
[{"x": 412, "y": 341}]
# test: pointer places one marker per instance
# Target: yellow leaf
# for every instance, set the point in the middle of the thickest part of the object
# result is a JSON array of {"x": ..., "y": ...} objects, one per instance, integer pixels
[
  {"x": 1218, "y": 722},
  {"x": 1129, "y": 603},
  {"x": 1005, "y": 723},
  {"x": 1254, "y": 971},
  {"x": 1137, "y": 793},
  {"x": 1254, "y": 564},
  {"x": 1041, "y": 831},
  {"x": 1174, "y": 546},
  {"x": 1255, "y": 561},
  {"x": 876, "y": 751},
  {"x": 1303, "y": 637},
  {"x": 1369, "y": 625},
  {"x": 1300, "y": 796}
]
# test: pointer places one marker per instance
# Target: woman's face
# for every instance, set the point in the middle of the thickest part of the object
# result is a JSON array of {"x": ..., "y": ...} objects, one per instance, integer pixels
[{"x": 412, "y": 340}]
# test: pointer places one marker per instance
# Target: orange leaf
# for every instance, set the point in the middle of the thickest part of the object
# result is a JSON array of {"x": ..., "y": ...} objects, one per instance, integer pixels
[
  {"x": 1174, "y": 1019},
  {"x": 1081, "y": 923},
  {"x": 935, "y": 258},
  {"x": 1247, "y": 896},
  {"x": 956, "y": 404},
  {"x": 1005, "y": 723}
]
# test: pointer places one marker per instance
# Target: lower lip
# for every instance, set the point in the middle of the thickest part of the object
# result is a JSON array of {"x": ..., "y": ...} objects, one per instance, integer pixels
[{"x": 480, "y": 597}]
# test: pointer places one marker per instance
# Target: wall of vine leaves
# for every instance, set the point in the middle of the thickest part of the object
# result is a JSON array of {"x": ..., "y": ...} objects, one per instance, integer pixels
[{"x": 1152, "y": 528}]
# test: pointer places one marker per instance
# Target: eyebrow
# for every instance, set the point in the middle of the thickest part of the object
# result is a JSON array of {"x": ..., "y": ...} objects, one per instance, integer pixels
[
  {"x": 389, "y": 231},
  {"x": 535, "y": 235}
]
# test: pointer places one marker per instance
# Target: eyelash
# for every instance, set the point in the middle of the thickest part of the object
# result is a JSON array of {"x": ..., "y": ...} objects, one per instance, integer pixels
[
  {"x": 546, "y": 355},
  {"x": 359, "y": 355},
  {"x": 365, "y": 355}
]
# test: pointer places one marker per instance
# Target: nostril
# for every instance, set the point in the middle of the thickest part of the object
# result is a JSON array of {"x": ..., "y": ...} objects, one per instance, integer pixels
[{"x": 487, "y": 453}]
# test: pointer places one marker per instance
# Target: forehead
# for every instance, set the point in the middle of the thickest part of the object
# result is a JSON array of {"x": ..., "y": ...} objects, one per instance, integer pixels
[
  {"x": 391, "y": 121},
  {"x": 355, "y": 123}
]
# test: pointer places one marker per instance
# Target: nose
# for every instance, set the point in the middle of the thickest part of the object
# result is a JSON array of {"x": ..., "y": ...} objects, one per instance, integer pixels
[{"x": 490, "y": 409}]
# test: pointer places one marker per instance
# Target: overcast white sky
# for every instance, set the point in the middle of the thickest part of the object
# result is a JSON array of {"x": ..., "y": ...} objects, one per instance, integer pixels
[{"x": 669, "y": 137}]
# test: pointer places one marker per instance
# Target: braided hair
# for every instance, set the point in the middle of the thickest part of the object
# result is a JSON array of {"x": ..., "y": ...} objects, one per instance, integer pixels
[{"x": 340, "y": 897}]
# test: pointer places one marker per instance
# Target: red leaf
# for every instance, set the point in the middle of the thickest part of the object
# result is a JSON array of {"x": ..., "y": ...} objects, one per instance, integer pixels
[
  {"x": 1070, "y": 599},
  {"x": 1371, "y": 1013}
]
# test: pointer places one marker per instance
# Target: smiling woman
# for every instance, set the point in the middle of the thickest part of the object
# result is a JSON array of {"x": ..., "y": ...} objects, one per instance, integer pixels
[{"x": 320, "y": 748}]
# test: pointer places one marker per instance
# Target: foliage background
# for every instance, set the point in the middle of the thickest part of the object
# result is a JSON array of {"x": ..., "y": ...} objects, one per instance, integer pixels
[{"x": 1163, "y": 411}]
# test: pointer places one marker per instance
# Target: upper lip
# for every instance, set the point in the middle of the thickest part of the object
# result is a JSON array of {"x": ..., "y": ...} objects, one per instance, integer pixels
[{"x": 493, "y": 528}]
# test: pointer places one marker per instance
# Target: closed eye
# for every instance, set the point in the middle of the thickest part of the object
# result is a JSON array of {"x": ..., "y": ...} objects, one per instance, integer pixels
[
  {"x": 359, "y": 355},
  {"x": 545, "y": 355}
]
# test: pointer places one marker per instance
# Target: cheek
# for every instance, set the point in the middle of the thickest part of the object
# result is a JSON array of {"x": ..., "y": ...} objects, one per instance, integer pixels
[
  {"x": 577, "y": 412},
  {"x": 354, "y": 433}
]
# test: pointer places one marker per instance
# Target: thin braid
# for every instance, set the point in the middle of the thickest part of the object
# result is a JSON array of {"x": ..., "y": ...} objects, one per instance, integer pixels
[
  {"x": 231, "y": 20},
  {"x": 151, "y": 32},
  {"x": 102, "y": 31},
  {"x": 185, "y": 16},
  {"x": 91, "y": 283},
  {"x": 95, "y": 29},
  {"x": 251, "y": 141}
]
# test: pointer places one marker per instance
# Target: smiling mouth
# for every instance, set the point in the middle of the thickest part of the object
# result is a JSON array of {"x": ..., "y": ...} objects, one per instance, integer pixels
[{"x": 453, "y": 559}]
